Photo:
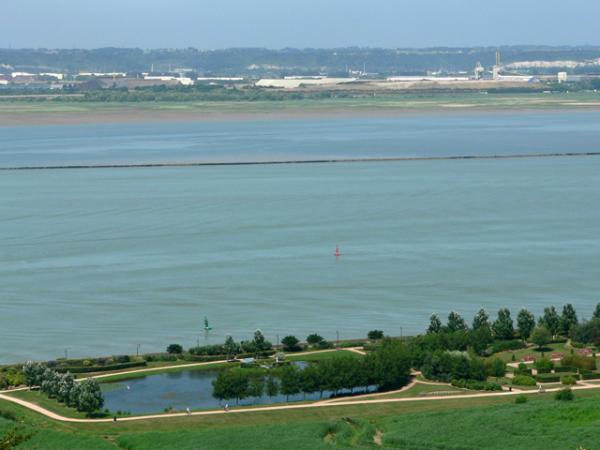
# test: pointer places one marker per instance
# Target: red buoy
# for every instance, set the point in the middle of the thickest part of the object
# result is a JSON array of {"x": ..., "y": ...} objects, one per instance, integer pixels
[{"x": 337, "y": 251}]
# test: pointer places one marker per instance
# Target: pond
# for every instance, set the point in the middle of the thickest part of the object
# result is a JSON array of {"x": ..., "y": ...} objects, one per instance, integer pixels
[{"x": 179, "y": 390}]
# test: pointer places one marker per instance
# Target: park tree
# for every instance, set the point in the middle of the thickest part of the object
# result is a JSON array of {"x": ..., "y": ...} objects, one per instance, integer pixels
[
  {"x": 33, "y": 373},
  {"x": 271, "y": 387},
  {"x": 175, "y": 349},
  {"x": 375, "y": 335},
  {"x": 256, "y": 386},
  {"x": 230, "y": 347},
  {"x": 596, "y": 314},
  {"x": 541, "y": 336},
  {"x": 503, "y": 325},
  {"x": 90, "y": 397},
  {"x": 550, "y": 320},
  {"x": 290, "y": 343},
  {"x": 481, "y": 320},
  {"x": 391, "y": 364},
  {"x": 525, "y": 323},
  {"x": 290, "y": 381},
  {"x": 435, "y": 324},
  {"x": 568, "y": 319},
  {"x": 314, "y": 339},
  {"x": 233, "y": 383},
  {"x": 260, "y": 343},
  {"x": 456, "y": 322},
  {"x": 65, "y": 386},
  {"x": 311, "y": 379},
  {"x": 49, "y": 385}
]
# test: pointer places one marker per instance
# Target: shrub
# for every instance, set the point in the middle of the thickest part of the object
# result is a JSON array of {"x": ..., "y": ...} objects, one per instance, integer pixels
[
  {"x": 152, "y": 357},
  {"x": 520, "y": 399},
  {"x": 526, "y": 372},
  {"x": 175, "y": 349},
  {"x": 523, "y": 380},
  {"x": 590, "y": 376},
  {"x": 375, "y": 335},
  {"x": 543, "y": 365},
  {"x": 290, "y": 344},
  {"x": 568, "y": 380},
  {"x": 564, "y": 395},
  {"x": 323, "y": 345},
  {"x": 581, "y": 362},
  {"x": 314, "y": 339}
]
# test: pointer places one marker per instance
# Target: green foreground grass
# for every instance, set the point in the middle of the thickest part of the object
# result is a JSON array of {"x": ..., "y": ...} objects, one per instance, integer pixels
[{"x": 480, "y": 423}]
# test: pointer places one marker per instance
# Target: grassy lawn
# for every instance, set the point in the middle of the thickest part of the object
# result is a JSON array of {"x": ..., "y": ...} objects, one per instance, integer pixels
[
  {"x": 485, "y": 423},
  {"x": 50, "y": 404},
  {"x": 322, "y": 355},
  {"x": 419, "y": 390},
  {"x": 533, "y": 351},
  {"x": 129, "y": 376}
]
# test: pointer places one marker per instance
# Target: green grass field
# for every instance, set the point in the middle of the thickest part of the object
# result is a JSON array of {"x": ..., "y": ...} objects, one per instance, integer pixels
[{"x": 484, "y": 423}]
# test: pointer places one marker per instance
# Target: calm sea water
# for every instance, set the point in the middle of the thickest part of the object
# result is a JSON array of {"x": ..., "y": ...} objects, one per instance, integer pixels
[
  {"x": 97, "y": 261},
  {"x": 302, "y": 139}
]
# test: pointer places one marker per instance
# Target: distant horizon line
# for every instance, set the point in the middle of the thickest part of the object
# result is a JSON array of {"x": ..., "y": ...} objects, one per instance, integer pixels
[{"x": 348, "y": 47}]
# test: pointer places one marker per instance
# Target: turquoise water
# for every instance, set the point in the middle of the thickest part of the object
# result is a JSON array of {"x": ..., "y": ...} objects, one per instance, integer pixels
[{"x": 99, "y": 260}]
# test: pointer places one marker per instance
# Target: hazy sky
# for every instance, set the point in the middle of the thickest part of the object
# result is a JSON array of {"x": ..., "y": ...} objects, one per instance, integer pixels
[{"x": 288, "y": 23}]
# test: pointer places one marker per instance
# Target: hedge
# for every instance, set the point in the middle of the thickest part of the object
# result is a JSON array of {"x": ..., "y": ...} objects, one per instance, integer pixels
[
  {"x": 562, "y": 369},
  {"x": 544, "y": 370},
  {"x": 107, "y": 368},
  {"x": 477, "y": 385},
  {"x": 590, "y": 376},
  {"x": 526, "y": 372},
  {"x": 549, "y": 377},
  {"x": 522, "y": 380}
]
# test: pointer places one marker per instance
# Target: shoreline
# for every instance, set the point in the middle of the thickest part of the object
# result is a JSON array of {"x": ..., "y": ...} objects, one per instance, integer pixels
[{"x": 307, "y": 161}]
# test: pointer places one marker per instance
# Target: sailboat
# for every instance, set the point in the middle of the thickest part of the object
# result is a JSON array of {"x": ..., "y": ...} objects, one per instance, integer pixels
[{"x": 207, "y": 327}]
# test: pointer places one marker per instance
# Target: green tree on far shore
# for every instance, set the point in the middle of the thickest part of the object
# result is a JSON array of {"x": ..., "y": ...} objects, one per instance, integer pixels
[
  {"x": 481, "y": 320},
  {"x": 550, "y": 320},
  {"x": 503, "y": 325},
  {"x": 435, "y": 324},
  {"x": 568, "y": 319},
  {"x": 525, "y": 323}
]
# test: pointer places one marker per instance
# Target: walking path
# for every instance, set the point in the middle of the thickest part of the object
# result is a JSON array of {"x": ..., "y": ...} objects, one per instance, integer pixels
[
  {"x": 55, "y": 416},
  {"x": 358, "y": 400}
]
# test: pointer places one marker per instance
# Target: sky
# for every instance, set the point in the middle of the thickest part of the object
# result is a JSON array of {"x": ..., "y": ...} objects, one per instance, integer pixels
[{"x": 293, "y": 23}]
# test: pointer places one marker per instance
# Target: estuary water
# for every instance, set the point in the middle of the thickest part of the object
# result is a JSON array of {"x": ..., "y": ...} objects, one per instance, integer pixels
[{"x": 97, "y": 261}]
